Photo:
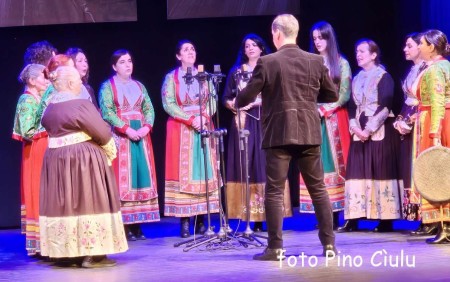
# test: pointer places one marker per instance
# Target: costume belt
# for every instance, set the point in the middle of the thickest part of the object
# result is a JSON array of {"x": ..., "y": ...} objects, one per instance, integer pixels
[
  {"x": 40, "y": 135},
  {"x": 69, "y": 139}
]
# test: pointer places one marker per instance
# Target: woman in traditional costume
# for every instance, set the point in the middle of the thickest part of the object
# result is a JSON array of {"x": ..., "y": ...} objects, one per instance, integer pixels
[
  {"x": 433, "y": 122},
  {"x": 32, "y": 76},
  {"x": 404, "y": 124},
  {"x": 190, "y": 105},
  {"x": 252, "y": 48},
  {"x": 79, "y": 204},
  {"x": 126, "y": 106},
  {"x": 334, "y": 122},
  {"x": 372, "y": 188}
]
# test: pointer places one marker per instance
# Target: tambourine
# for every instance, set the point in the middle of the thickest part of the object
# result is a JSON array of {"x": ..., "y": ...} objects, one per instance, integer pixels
[{"x": 431, "y": 174}]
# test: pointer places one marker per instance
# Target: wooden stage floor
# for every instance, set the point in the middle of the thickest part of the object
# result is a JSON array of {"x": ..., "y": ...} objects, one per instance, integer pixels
[{"x": 363, "y": 256}]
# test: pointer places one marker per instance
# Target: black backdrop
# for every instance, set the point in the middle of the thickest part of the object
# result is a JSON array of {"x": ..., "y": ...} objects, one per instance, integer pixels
[{"x": 152, "y": 41}]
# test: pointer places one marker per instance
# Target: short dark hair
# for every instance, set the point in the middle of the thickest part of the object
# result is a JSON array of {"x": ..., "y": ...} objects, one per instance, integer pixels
[
  {"x": 117, "y": 54},
  {"x": 39, "y": 53}
]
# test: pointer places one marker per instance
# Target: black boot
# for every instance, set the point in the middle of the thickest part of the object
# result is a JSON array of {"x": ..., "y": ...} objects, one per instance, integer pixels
[
  {"x": 129, "y": 233},
  {"x": 335, "y": 220},
  {"x": 185, "y": 227},
  {"x": 426, "y": 229},
  {"x": 385, "y": 225},
  {"x": 443, "y": 235},
  {"x": 200, "y": 227},
  {"x": 138, "y": 232},
  {"x": 349, "y": 226}
]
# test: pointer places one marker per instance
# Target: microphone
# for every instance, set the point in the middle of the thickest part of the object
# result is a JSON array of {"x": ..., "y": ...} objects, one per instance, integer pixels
[
  {"x": 188, "y": 78},
  {"x": 201, "y": 75},
  {"x": 217, "y": 75}
]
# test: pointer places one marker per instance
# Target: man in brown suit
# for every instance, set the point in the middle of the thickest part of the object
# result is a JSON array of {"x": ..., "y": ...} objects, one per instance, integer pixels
[{"x": 291, "y": 82}]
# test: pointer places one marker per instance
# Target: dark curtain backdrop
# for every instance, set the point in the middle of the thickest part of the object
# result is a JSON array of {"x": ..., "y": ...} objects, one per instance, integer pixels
[
  {"x": 435, "y": 15},
  {"x": 152, "y": 41}
]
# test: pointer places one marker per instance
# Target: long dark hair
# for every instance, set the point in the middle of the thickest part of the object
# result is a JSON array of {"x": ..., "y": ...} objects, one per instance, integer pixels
[
  {"x": 242, "y": 58},
  {"x": 73, "y": 52},
  {"x": 327, "y": 33}
]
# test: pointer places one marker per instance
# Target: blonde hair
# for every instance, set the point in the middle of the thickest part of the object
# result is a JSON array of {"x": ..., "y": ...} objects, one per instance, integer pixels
[
  {"x": 30, "y": 71},
  {"x": 63, "y": 75},
  {"x": 287, "y": 24}
]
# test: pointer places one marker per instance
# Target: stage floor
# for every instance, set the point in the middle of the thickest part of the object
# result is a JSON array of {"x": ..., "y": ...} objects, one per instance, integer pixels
[{"x": 363, "y": 256}]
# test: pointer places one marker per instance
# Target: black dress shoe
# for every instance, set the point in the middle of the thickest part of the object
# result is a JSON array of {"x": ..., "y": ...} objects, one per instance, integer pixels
[
  {"x": 130, "y": 236},
  {"x": 349, "y": 226},
  {"x": 329, "y": 250},
  {"x": 184, "y": 233},
  {"x": 442, "y": 237},
  {"x": 270, "y": 254},
  {"x": 425, "y": 230}
]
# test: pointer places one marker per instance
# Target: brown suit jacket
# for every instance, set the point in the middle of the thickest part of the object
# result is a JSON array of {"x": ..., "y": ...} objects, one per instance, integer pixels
[{"x": 291, "y": 82}]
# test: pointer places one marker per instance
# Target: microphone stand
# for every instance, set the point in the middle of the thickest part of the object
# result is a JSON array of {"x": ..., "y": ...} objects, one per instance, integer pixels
[
  {"x": 222, "y": 236},
  {"x": 218, "y": 134},
  {"x": 243, "y": 147},
  {"x": 201, "y": 77}
]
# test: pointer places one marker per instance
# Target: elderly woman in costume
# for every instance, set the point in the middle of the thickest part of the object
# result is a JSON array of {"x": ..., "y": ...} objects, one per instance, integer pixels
[
  {"x": 32, "y": 76},
  {"x": 79, "y": 204}
]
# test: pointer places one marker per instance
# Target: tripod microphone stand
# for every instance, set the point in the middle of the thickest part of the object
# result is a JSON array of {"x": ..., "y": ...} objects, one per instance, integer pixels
[
  {"x": 209, "y": 237},
  {"x": 225, "y": 232}
]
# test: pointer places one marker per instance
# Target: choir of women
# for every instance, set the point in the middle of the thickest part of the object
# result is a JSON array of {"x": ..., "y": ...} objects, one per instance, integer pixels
[{"x": 367, "y": 152}]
